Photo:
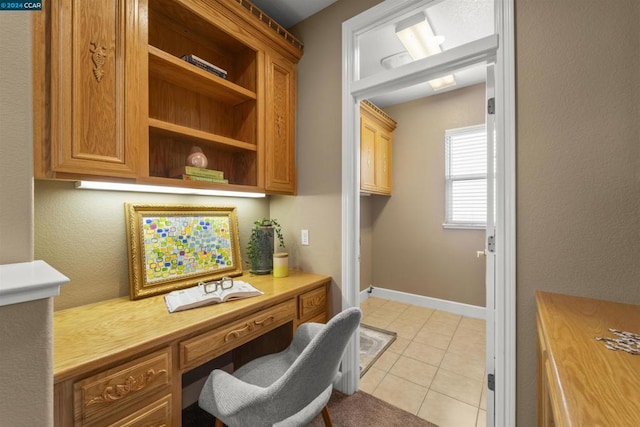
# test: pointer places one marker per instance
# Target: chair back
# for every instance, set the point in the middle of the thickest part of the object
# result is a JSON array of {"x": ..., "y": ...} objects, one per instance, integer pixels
[{"x": 316, "y": 367}]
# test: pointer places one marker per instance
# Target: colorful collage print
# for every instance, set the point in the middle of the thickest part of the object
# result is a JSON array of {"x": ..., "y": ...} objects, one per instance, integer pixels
[{"x": 180, "y": 246}]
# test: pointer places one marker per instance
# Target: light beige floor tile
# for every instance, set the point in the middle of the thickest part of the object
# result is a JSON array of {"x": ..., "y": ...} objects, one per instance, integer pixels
[
  {"x": 401, "y": 393},
  {"x": 424, "y": 353},
  {"x": 447, "y": 412},
  {"x": 441, "y": 327},
  {"x": 371, "y": 379},
  {"x": 434, "y": 339},
  {"x": 483, "y": 399},
  {"x": 373, "y": 303},
  {"x": 482, "y": 419},
  {"x": 479, "y": 325},
  {"x": 382, "y": 321},
  {"x": 423, "y": 312},
  {"x": 462, "y": 345},
  {"x": 399, "y": 345},
  {"x": 470, "y": 335},
  {"x": 404, "y": 330},
  {"x": 413, "y": 370},
  {"x": 396, "y": 306},
  {"x": 457, "y": 386},
  {"x": 468, "y": 364},
  {"x": 445, "y": 316},
  {"x": 427, "y": 339},
  {"x": 386, "y": 361},
  {"x": 412, "y": 316}
]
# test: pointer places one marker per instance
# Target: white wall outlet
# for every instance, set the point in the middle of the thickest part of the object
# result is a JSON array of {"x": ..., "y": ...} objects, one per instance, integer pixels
[{"x": 304, "y": 237}]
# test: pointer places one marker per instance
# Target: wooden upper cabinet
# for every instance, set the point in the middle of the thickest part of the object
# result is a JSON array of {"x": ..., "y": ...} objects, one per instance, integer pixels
[
  {"x": 118, "y": 99},
  {"x": 85, "y": 72},
  {"x": 376, "y": 150},
  {"x": 280, "y": 162}
]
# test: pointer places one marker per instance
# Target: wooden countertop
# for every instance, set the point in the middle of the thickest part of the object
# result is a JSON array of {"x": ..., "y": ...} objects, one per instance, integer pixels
[
  {"x": 120, "y": 327},
  {"x": 595, "y": 386}
]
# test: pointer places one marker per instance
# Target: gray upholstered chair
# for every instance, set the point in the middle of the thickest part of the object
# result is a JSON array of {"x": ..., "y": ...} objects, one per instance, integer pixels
[{"x": 284, "y": 389}]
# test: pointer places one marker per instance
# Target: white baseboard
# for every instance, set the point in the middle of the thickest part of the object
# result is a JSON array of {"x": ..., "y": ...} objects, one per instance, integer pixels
[{"x": 422, "y": 301}]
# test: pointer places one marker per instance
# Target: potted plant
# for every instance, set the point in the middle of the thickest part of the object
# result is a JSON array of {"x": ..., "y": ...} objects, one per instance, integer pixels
[{"x": 261, "y": 245}]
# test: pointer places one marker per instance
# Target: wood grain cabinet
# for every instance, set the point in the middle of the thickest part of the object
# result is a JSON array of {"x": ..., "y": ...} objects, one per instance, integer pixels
[
  {"x": 376, "y": 150},
  {"x": 117, "y": 99},
  {"x": 280, "y": 161},
  {"x": 86, "y": 89},
  {"x": 580, "y": 381}
]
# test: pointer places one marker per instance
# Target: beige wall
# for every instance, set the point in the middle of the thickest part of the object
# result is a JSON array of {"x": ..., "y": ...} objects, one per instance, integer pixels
[
  {"x": 578, "y": 84},
  {"x": 412, "y": 252},
  {"x": 578, "y": 142},
  {"x": 319, "y": 144},
  {"x": 578, "y": 138},
  {"x": 72, "y": 225},
  {"x": 26, "y": 380}
]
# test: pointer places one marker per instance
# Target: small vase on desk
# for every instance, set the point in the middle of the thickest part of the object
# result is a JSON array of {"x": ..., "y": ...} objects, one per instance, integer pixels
[{"x": 280, "y": 264}]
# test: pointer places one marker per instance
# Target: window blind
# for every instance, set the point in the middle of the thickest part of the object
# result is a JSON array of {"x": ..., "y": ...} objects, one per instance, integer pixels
[{"x": 466, "y": 177}]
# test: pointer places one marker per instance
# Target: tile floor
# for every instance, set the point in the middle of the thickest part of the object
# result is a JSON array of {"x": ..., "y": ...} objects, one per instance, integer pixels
[{"x": 436, "y": 366}]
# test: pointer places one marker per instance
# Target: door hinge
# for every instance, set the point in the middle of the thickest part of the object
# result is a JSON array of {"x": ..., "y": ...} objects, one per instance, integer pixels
[
  {"x": 491, "y": 382},
  {"x": 491, "y": 106},
  {"x": 491, "y": 243}
]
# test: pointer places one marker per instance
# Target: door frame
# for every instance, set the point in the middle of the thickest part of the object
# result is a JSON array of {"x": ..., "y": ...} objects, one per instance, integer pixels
[{"x": 498, "y": 48}]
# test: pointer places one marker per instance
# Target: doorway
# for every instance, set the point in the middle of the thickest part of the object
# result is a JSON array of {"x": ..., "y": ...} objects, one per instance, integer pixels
[{"x": 500, "y": 299}]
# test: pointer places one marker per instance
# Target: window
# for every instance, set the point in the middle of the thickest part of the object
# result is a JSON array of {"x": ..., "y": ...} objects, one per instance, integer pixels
[{"x": 466, "y": 177}]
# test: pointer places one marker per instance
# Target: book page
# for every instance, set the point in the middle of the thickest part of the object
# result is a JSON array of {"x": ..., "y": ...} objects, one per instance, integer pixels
[
  {"x": 240, "y": 290},
  {"x": 185, "y": 299}
]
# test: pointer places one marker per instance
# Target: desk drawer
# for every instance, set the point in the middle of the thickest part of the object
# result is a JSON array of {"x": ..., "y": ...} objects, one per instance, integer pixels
[
  {"x": 157, "y": 413},
  {"x": 312, "y": 303},
  {"x": 219, "y": 341},
  {"x": 111, "y": 391}
]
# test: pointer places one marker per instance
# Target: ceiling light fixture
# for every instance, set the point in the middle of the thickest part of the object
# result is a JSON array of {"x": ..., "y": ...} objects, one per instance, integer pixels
[
  {"x": 116, "y": 186},
  {"x": 418, "y": 38}
]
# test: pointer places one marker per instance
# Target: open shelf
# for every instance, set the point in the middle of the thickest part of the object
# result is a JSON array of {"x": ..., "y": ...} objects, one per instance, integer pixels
[
  {"x": 173, "y": 182},
  {"x": 183, "y": 74},
  {"x": 197, "y": 136}
]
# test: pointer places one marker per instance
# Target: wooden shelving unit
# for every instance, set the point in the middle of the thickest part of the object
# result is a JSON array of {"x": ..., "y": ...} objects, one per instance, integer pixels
[{"x": 133, "y": 110}]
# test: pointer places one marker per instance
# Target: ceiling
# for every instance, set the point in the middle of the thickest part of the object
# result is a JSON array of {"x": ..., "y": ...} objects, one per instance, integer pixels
[
  {"x": 289, "y": 12},
  {"x": 458, "y": 21}
]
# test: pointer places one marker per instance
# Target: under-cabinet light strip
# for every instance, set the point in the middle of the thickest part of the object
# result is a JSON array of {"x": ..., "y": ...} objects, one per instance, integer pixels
[{"x": 115, "y": 186}]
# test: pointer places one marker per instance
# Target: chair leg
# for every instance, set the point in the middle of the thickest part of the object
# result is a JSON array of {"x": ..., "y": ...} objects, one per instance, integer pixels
[
  {"x": 326, "y": 417},
  {"x": 219, "y": 423}
]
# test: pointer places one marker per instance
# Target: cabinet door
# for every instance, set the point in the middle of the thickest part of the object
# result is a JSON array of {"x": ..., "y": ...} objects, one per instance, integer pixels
[
  {"x": 280, "y": 161},
  {"x": 368, "y": 137},
  {"x": 384, "y": 161},
  {"x": 94, "y": 86}
]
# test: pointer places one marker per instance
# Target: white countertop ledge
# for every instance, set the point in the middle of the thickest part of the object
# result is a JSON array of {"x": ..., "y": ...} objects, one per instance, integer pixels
[{"x": 29, "y": 281}]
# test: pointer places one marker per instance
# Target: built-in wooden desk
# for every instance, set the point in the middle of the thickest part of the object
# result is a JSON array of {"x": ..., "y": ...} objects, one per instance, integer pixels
[
  {"x": 120, "y": 362},
  {"x": 580, "y": 381}
]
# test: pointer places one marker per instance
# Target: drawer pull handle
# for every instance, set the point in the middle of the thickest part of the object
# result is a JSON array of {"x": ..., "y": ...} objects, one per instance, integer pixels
[
  {"x": 248, "y": 327},
  {"x": 130, "y": 385}
]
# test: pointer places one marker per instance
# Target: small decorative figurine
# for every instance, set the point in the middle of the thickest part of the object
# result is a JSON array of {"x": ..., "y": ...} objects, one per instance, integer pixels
[{"x": 197, "y": 158}]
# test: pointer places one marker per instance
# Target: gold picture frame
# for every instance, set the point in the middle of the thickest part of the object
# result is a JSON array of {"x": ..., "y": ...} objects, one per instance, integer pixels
[{"x": 177, "y": 246}]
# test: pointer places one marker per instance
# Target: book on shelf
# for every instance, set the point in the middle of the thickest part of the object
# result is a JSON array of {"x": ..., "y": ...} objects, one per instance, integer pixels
[
  {"x": 185, "y": 299},
  {"x": 196, "y": 171},
  {"x": 205, "y": 65},
  {"x": 204, "y": 179}
]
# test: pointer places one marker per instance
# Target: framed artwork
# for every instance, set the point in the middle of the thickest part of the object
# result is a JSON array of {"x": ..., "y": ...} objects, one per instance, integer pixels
[{"x": 177, "y": 246}]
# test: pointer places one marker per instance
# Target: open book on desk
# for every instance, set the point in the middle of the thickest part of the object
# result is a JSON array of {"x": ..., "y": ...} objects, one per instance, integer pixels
[{"x": 185, "y": 299}]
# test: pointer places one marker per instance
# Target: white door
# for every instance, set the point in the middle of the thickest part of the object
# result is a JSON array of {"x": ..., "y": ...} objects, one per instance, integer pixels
[
  {"x": 489, "y": 249},
  {"x": 500, "y": 261}
]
